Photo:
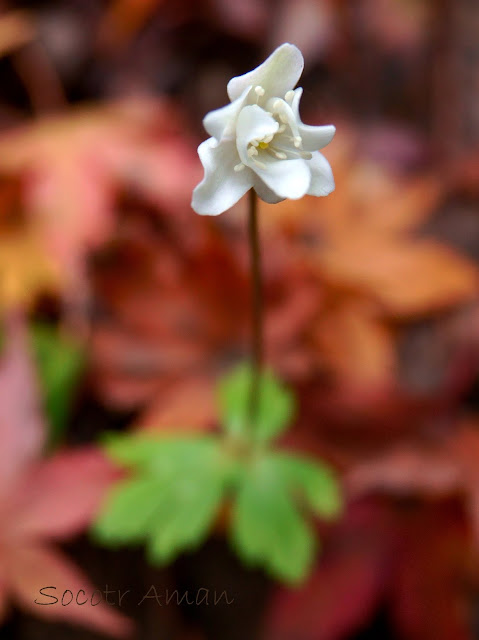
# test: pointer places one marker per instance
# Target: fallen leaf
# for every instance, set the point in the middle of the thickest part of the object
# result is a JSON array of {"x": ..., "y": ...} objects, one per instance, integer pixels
[
  {"x": 42, "y": 500},
  {"x": 413, "y": 561},
  {"x": 74, "y": 165},
  {"x": 16, "y": 29}
]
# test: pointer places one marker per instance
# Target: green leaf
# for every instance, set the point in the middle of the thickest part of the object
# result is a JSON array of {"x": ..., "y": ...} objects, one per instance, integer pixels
[
  {"x": 60, "y": 363},
  {"x": 314, "y": 481},
  {"x": 171, "y": 501},
  {"x": 129, "y": 511},
  {"x": 275, "y": 405},
  {"x": 160, "y": 455},
  {"x": 186, "y": 512},
  {"x": 177, "y": 485},
  {"x": 267, "y": 529}
]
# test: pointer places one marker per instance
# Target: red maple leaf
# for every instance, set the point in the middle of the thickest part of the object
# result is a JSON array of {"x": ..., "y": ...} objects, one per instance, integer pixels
[
  {"x": 414, "y": 559},
  {"x": 43, "y": 500}
]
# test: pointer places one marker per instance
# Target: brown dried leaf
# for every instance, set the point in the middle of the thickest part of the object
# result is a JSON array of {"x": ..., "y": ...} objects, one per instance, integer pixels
[{"x": 16, "y": 29}]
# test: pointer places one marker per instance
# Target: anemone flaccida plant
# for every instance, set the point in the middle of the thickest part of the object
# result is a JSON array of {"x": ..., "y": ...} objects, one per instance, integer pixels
[{"x": 175, "y": 486}]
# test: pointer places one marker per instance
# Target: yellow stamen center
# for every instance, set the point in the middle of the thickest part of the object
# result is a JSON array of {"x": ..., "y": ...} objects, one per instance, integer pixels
[{"x": 263, "y": 145}]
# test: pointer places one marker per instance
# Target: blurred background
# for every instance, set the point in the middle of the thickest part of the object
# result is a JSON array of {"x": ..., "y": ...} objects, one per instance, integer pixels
[{"x": 121, "y": 307}]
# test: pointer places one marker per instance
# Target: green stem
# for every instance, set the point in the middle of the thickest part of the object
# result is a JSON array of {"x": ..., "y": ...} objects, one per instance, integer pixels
[{"x": 257, "y": 307}]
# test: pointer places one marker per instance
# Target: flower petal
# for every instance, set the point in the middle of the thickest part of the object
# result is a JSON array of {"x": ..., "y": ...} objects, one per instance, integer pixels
[
  {"x": 314, "y": 138},
  {"x": 265, "y": 193},
  {"x": 283, "y": 109},
  {"x": 322, "y": 180},
  {"x": 218, "y": 122},
  {"x": 253, "y": 124},
  {"x": 287, "y": 178},
  {"x": 277, "y": 74},
  {"x": 222, "y": 186}
]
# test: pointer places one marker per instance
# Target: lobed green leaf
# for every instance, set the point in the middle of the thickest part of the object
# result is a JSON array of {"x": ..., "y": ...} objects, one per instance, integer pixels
[
  {"x": 172, "y": 499},
  {"x": 275, "y": 405},
  {"x": 315, "y": 482},
  {"x": 268, "y": 529}
]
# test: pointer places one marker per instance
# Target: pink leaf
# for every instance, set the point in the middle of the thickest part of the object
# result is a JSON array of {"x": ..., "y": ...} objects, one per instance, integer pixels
[
  {"x": 35, "y": 567},
  {"x": 22, "y": 430},
  {"x": 354, "y": 570},
  {"x": 59, "y": 497},
  {"x": 3, "y": 600}
]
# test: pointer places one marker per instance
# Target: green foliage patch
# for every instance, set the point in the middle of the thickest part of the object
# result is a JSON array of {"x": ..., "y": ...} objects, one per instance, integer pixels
[
  {"x": 176, "y": 486},
  {"x": 60, "y": 363}
]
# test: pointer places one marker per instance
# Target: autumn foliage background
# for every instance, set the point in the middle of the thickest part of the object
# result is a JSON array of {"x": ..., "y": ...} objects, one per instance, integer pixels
[{"x": 121, "y": 308}]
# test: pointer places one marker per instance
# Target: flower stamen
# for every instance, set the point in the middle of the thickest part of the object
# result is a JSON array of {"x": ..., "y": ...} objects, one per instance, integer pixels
[
  {"x": 306, "y": 155},
  {"x": 259, "y": 164},
  {"x": 289, "y": 95},
  {"x": 259, "y": 93}
]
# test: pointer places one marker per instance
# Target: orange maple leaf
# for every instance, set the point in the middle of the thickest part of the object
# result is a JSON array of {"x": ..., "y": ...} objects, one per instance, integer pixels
[{"x": 372, "y": 267}]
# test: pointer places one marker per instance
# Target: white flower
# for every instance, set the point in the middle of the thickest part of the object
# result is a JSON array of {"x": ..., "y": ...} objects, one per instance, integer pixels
[{"x": 258, "y": 141}]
